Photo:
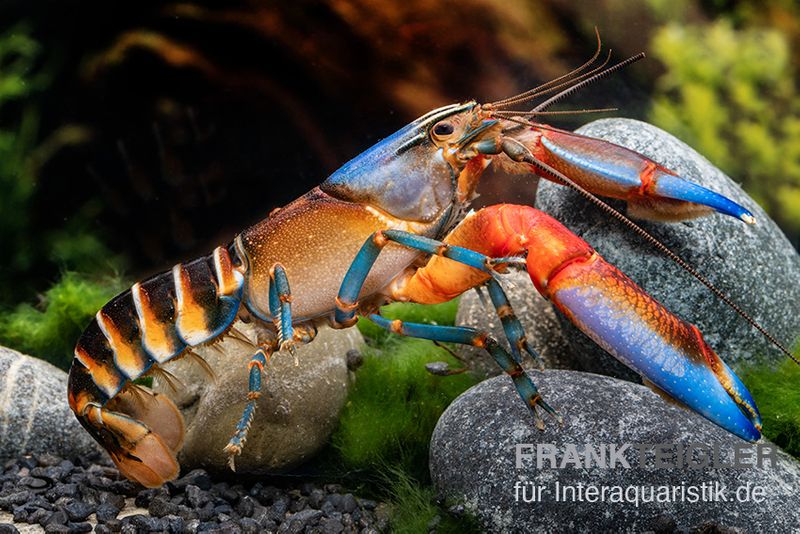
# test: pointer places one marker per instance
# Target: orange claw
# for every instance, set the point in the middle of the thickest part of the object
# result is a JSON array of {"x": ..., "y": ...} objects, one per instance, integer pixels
[{"x": 604, "y": 303}]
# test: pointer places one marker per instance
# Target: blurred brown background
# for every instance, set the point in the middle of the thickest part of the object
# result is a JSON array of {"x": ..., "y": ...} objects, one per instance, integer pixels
[{"x": 150, "y": 131}]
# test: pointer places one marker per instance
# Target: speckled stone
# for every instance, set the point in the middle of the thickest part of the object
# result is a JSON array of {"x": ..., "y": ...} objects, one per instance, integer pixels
[
  {"x": 754, "y": 264},
  {"x": 473, "y": 460},
  {"x": 296, "y": 413},
  {"x": 34, "y": 414}
]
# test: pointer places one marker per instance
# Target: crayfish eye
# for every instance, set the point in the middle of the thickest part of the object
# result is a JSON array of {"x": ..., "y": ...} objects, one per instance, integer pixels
[{"x": 443, "y": 129}]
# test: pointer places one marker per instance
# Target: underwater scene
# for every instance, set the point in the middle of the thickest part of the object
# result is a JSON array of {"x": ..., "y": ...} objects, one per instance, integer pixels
[{"x": 429, "y": 266}]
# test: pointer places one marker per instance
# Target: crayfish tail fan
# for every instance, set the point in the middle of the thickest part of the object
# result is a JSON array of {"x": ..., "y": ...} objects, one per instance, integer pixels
[
  {"x": 156, "y": 411},
  {"x": 142, "y": 453},
  {"x": 139, "y": 453}
]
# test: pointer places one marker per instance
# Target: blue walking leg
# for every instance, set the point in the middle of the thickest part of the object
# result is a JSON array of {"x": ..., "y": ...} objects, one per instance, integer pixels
[
  {"x": 513, "y": 329},
  {"x": 347, "y": 300},
  {"x": 280, "y": 306},
  {"x": 234, "y": 447},
  {"x": 472, "y": 336}
]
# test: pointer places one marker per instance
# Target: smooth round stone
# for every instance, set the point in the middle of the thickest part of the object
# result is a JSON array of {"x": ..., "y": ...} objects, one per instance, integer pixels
[
  {"x": 473, "y": 461},
  {"x": 35, "y": 417},
  {"x": 297, "y": 411}
]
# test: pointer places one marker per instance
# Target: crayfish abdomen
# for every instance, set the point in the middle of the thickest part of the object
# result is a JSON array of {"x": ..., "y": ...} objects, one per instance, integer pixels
[{"x": 156, "y": 321}]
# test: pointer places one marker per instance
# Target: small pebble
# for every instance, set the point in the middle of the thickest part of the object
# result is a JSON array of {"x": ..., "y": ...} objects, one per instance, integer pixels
[
  {"x": 331, "y": 526},
  {"x": 31, "y": 482},
  {"x": 246, "y": 506},
  {"x": 58, "y": 517},
  {"x": 79, "y": 511},
  {"x": 106, "y": 512},
  {"x": 20, "y": 514},
  {"x": 161, "y": 506},
  {"x": 174, "y": 523}
]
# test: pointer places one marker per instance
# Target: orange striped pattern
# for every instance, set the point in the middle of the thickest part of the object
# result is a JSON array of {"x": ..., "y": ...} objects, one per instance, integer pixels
[
  {"x": 158, "y": 337},
  {"x": 150, "y": 324},
  {"x": 229, "y": 280},
  {"x": 191, "y": 322},
  {"x": 107, "y": 378},
  {"x": 129, "y": 356}
]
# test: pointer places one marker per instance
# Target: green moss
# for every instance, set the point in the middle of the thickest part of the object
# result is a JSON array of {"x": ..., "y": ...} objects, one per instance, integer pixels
[
  {"x": 49, "y": 331},
  {"x": 394, "y": 405},
  {"x": 413, "y": 509},
  {"x": 385, "y": 428},
  {"x": 778, "y": 399}
]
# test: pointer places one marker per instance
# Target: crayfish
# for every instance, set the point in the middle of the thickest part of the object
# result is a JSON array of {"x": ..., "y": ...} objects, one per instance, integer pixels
[{"x": 393, "y": 225}]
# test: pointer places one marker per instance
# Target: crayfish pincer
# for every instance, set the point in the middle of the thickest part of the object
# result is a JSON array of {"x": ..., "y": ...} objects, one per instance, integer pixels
[{"x": 392, "y": 225}]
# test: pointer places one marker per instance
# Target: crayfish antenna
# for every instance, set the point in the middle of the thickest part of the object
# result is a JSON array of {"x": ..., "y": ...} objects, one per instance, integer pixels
[{"x": 571, "y": 77}]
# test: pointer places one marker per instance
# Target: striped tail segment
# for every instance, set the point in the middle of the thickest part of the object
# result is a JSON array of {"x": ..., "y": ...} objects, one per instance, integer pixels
[{"x": 157, "y": 320}]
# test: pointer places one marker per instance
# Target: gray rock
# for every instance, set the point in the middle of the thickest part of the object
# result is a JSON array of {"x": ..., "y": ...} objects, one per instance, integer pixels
[
  {"x": 34, "y": 415},
  {"x": 755, "y": 265},
  {"x": 534, "y": 311},
  {"x": 296, "y": 413},
  {"x": 473, "y": 461}
]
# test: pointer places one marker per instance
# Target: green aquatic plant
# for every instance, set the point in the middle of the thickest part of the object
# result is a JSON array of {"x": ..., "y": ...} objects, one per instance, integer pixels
[
  {"x": 395, "y": 402},
  {"x": 33, "y": 250},
  {"x": 385, "y": 428},
  {"x": 49, "y": 331},
  {"x": 18, "y": 136},
  {"x": 414, "y": 508},
  {"x": 778, "y": 398},
  {"x": 732, "y": 95}
]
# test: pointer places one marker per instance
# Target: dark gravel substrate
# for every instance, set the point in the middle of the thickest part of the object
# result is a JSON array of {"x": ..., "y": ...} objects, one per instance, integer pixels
[{"x": 66, "y": 496}]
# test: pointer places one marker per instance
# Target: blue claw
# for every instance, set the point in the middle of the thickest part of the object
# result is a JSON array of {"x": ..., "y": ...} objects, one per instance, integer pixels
[
  {"x": 675, "y": 187},
  {"x": 666, "y": 351}
]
